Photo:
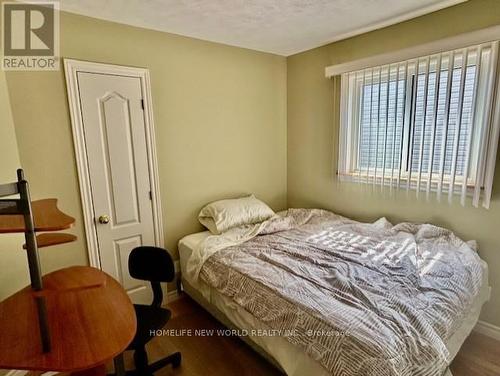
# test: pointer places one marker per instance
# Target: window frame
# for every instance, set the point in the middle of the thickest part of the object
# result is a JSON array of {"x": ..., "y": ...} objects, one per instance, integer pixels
[{"x": 383, "y": 75}]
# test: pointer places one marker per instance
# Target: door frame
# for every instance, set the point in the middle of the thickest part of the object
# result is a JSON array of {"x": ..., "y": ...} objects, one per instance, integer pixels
[{"x": 71, "y": 68}]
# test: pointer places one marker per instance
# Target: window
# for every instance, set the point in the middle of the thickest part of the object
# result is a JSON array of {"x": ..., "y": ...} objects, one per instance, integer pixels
[{"x": 422, "y": 124}]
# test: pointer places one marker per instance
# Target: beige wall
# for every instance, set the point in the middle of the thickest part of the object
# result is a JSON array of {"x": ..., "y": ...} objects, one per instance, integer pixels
[
  {"x": 220, "y": 116},
  {"x": 15, "y": 276},
  {"x": 8, "y": 144},
  {"x": 312, "y": 128}
]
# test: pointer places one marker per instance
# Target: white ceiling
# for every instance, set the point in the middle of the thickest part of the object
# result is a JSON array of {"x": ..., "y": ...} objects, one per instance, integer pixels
[{"x": 283, "y": 27}]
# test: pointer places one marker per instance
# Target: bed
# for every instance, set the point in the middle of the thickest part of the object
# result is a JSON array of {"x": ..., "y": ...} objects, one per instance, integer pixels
[{"x": 327, "y": 322}]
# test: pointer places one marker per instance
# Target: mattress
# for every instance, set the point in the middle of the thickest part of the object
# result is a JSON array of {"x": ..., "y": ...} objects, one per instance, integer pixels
[{"x": 289, "y": 357}]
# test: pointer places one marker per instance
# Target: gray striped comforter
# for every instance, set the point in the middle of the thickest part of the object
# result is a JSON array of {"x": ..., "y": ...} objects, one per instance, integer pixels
[{"x": 361, "y": 299}]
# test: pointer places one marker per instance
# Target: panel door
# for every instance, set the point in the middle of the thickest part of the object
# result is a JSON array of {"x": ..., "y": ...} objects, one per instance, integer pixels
[{"x": 115, "y": 136}]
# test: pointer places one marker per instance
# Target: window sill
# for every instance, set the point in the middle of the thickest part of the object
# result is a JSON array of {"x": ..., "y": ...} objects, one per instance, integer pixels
[{"x": 389, "y": 181}]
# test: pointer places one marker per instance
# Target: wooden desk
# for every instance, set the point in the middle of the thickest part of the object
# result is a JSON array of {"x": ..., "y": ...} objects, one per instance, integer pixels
[
  {"x": 74, "y": 319},
  {"x": 91, "y": 320}
]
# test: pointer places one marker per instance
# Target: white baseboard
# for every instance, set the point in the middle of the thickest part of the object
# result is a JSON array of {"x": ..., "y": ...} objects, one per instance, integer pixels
[
  {"x": 172, "y": 295},
  {"x": 488, "y": 329}
]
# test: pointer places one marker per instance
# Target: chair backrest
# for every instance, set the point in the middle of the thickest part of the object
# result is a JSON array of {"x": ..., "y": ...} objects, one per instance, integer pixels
[
  {"x": 9, "y": 189},
  {"x": 11, "y": 206},
  {"x": 21, "y": 205},
  {"x": 152, "y": 264}
]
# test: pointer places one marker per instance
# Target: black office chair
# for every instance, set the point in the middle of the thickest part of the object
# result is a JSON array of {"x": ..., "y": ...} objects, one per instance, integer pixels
[{"x": 155, "y": 265}]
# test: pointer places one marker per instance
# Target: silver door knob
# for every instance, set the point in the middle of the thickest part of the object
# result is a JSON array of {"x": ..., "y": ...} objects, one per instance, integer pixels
[{"x": 104, "y": 219}]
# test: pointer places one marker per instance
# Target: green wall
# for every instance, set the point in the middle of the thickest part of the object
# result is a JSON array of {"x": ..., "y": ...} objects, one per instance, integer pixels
[
  {"x": 220, "y": 120},
  {"x": 312, "y": 137},
  {"x": 15, "y": 276}
]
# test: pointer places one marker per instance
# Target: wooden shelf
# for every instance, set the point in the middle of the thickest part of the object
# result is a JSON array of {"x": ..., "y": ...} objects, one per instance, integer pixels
[
  {"x": 46, "y": 215},
  {"x": 88, "y": 326},
  {"x": 50, "y": 239}
]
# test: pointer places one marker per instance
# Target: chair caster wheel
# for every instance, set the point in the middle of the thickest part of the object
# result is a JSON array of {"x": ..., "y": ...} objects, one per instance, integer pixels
[{"x": 176, "y": 361}]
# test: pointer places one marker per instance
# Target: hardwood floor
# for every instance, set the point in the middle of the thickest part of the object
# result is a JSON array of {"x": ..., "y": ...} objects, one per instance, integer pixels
[
  {"x": 479, "y": 356},
  {"x": 204, "y": 356},
  {"x": 221, "y": 356},
  {"x": 229, "y": 356}
]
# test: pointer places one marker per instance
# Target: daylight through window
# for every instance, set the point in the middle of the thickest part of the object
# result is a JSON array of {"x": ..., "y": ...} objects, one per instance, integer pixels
[{"x": 422, "y": 124}]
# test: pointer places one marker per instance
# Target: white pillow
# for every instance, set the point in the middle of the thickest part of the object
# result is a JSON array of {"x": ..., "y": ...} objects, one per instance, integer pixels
[{"x": 220, "y": 216}]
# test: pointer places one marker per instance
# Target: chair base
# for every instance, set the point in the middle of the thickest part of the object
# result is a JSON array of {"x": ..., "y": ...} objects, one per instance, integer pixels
[{"x": 173, "y": 359}]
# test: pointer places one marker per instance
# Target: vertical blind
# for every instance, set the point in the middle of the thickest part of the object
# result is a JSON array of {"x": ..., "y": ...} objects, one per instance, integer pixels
[{"x": 424, "y": 124}]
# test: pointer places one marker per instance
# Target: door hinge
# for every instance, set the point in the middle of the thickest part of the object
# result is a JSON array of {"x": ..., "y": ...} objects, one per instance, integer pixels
[
  {"x": 142, "y": 104},
  {"x": 151, "y": 195}
]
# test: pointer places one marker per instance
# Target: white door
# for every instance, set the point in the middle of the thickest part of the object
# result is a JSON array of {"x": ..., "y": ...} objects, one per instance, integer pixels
[{"x": 115, "y": 137}]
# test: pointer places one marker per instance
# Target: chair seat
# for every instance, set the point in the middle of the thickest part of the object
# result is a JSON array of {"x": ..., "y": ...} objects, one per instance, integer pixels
[{"x": 149, "y": 318}]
